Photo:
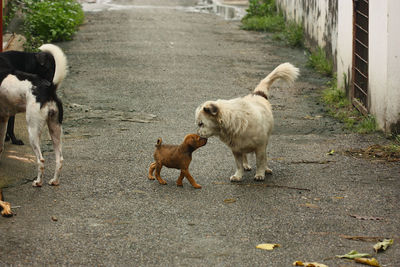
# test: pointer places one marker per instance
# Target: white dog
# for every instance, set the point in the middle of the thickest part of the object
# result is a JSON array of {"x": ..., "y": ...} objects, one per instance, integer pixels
[
  {"x": 245, "y": 123},
  {"x": 28, "y": 83}
]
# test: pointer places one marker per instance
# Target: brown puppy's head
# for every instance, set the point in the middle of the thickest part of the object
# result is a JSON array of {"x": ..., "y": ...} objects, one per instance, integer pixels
[{"x": 194, "y": 141}]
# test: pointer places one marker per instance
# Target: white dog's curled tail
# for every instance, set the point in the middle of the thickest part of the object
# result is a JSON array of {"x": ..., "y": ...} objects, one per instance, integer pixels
[
  {"x": 60, "y": 60},
  {"x": 286, "y": 72}
]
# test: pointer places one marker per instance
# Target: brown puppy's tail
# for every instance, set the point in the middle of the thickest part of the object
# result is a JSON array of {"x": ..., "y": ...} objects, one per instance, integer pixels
[
  {"x": 159, "y": 142},
  {"x": 286, "y": 72}
]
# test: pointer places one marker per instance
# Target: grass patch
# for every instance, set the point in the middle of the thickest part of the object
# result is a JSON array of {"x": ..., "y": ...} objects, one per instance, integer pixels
[
  {"x": 262, "y": 15},
  {"x": 341, "y": 108},
  {"x": 319, "y": 61},
  {"x": 267, "y": 24}
]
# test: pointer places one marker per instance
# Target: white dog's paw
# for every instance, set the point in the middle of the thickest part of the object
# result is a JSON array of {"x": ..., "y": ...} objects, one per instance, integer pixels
[
  {"x": 37, "y": 183},
  {"x": 235, "y": 178},
  {"x": 259, "y": 177},
  {"x": 246, "y": 167},
  {"x": 268, "y": 171},
  {"x": 54, "y": 182}
]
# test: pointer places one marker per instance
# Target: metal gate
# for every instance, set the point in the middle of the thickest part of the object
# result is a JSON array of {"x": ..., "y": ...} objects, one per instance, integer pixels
[{"x": 359, "y": 92}]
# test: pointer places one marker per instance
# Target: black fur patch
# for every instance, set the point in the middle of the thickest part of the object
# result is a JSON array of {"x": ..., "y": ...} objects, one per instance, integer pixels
[{"x": 260, "y": 93}]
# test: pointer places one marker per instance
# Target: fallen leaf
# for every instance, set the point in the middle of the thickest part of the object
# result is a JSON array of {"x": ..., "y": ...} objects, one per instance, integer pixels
[
  {"x": 380, "y": 246},
  {"x": 353, "y": 254},
  {"x": 370, "y": 262},
  {"x": 267, "y": 246},
  {"x": 372, "y": 218},
  {"x": 309, "y": 264},
  {"x": 230, "y": 200},
  {"x": 331, "y": 152},
  {"x": 54, "y": 218}
]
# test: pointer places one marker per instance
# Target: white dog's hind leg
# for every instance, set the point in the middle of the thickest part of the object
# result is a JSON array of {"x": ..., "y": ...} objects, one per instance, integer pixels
[
  {"x": 55, "y": 130},
  {"x": 246, "y": 165},
  {"x": 3, "y": 130},
  {"x": 237, "y": 177},
  {"x": 261, "y": 158},
  {"x": 35, "y": 122}
]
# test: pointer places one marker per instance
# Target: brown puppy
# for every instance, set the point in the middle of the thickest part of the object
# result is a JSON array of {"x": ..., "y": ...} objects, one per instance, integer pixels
[{"x": 178, "y": 157}]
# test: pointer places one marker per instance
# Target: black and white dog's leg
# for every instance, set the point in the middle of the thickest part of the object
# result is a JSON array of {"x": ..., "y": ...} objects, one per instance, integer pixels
[
  {"x": 36, "y": 119},
  {"x": 3, "y": 130},
  {"x": 10, "y": 132},
  {"x": 55, "y": 130},
  {"x": 237, "y": 177}
]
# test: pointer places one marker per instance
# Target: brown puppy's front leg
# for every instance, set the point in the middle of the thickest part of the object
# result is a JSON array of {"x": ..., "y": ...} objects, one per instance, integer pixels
[
  {"x": 158, "y": 170},
  {"x": 179, "y": 181},
  {"x": 151, "y": 170},
  {"x": 191, "y": 180}
]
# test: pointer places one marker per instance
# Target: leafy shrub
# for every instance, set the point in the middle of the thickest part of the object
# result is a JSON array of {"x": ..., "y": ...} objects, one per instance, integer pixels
[
  {"x": 51, "y": 21},
  {"x": 294, "y": 34},
  {"x": 261, "y": 8}
]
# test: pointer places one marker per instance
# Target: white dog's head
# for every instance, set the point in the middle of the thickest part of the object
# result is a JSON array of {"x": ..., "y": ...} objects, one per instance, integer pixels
[{"x": 207, "y": 119}]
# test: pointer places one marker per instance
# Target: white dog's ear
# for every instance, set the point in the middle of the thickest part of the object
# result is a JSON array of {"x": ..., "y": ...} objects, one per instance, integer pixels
[{"x": 211, "y": 109}]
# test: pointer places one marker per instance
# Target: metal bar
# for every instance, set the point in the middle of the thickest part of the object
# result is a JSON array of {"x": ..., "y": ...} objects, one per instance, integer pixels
[
  {"x": 360, "y": 106},
  {"x": 360, "y": 72},
  {"x": 361, "y": 28},
  {"x": 362, "y": 14},
  {"x": 360, "y": 89},
  {"x": 357, "y": 55}
]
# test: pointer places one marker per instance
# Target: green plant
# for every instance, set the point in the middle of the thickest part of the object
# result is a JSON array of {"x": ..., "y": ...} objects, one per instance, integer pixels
[
  {"x": 51, "y": 21},
  {"x": 269, "y": 23},
  {"x": 260, "y": 8},
  {"x": 294, "y": 34},
  {"x": 320, "y": 62}
]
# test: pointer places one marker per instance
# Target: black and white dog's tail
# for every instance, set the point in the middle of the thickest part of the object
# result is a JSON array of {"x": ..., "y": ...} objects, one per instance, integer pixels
[{"x": 60, "y": 62}]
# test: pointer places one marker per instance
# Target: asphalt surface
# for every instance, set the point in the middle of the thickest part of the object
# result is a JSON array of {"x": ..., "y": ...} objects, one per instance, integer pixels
[{"x": 137, "y": 74}]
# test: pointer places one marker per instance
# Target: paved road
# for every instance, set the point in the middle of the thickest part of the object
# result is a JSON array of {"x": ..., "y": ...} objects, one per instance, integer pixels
[{"x": 137, "y": 74}]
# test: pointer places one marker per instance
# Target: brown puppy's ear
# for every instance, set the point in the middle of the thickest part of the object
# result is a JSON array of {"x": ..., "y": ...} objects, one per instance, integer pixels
[
  {"x": 211, "y": 109},
  {"x": 159, "y": 142}
]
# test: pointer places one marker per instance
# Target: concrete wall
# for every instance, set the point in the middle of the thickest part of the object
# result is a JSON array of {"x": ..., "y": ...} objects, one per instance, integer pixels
[{"x": 319, "y": 19}]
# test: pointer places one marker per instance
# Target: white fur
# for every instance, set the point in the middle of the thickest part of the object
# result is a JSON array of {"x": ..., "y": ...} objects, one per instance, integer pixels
[
  {"x": 244, "y": 123},
  {"x": 61, "y": 62},
  {"x": 16, "y": 96}
]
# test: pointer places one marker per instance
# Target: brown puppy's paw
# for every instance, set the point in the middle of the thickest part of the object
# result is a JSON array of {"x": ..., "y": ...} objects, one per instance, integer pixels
[
  {"x": 6, "y": 212},
  {"x": 179, "y": 184},
  {"x": 161, "y": 181},
  {"x": 151, "y": 177},
  {"x": 197, "y": 186}
]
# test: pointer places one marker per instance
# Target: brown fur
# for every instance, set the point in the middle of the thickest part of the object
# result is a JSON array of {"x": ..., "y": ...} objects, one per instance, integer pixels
[
  {"x": 6, "y": 212},
  {"x": 177, "y": 157}
]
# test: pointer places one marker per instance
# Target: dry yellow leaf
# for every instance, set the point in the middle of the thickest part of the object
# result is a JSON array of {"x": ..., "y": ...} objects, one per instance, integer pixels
[
  {"x": 309, "y": 264},
  {"x": 267, "y": 246},
  {"x": 370, "y": 262}
]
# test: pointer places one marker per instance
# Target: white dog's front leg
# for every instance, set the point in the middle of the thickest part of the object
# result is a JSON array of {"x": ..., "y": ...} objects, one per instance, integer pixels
[
  {"x": 237, "y": 177},
  {"x": 261, "y": 158},
  {"x": 246, "y": 165}
]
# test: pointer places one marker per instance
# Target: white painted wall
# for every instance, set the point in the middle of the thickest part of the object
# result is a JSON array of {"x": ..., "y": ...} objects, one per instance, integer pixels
[
  {"x": 384, "y": 62},
  {"x": 378, "y": 57},
  {"x": 344, "y": 43},
  {"x": 319, "y": 19},
  {"x": 336, "y": 33}
]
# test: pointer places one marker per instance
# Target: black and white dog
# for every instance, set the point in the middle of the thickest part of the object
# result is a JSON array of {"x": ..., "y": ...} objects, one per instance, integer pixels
[{"x": 28, "y": 83}]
